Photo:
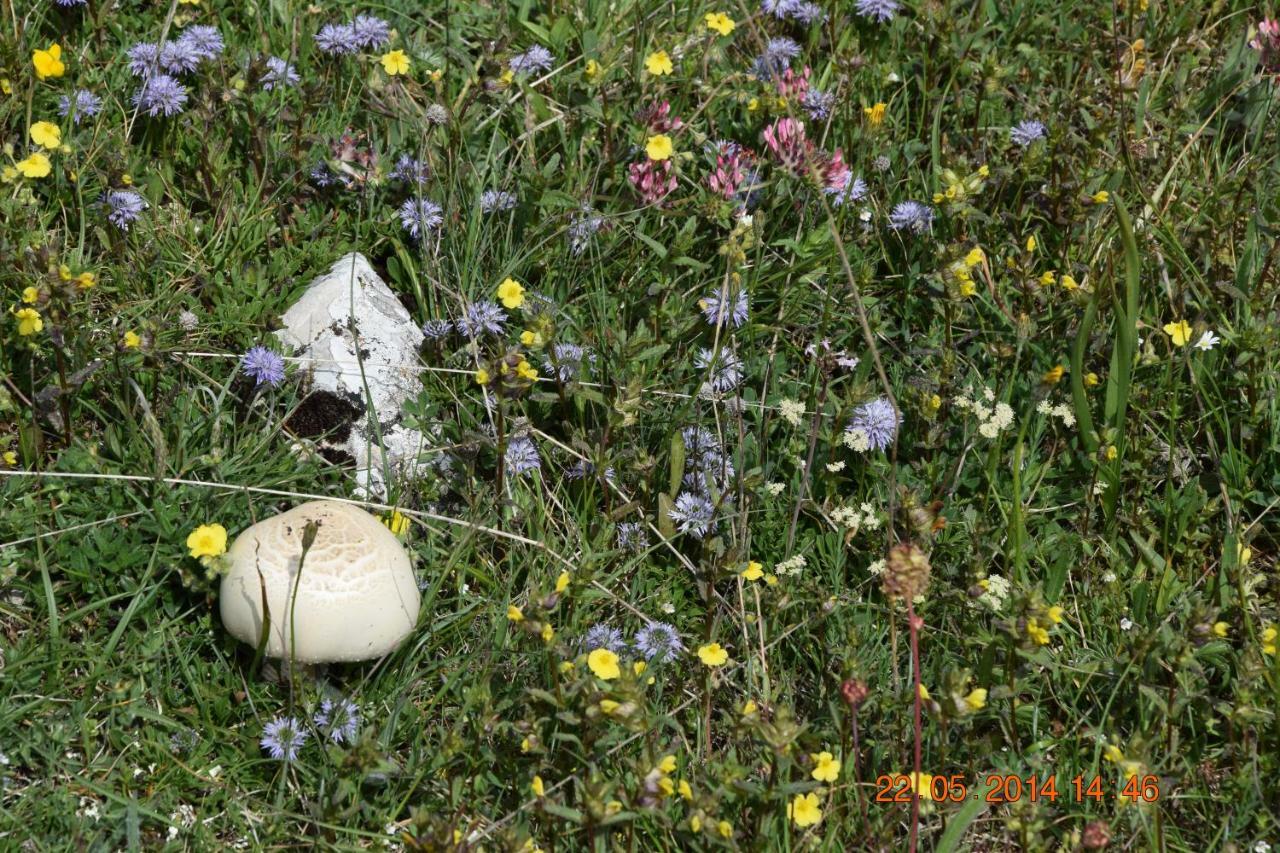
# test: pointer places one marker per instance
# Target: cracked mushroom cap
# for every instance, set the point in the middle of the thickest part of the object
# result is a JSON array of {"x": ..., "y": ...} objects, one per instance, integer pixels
[{"x": 356, "y": 598}]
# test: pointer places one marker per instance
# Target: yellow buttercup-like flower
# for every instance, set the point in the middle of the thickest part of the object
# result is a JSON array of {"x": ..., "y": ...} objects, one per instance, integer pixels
[
  {"x": 35, "y": 166},
  {"x": 977, "y": 699},
  {"x": 207, "y": 540},
  {"x": 753, "y": 572},
  {"x": 805, "y": 810},
  {"x": 394, "y": 62},
  {"x": 713, "y": 655},
  {"x": 604, "y": 664},
  {"x": 131, "y": 340},
  {"x": 825, "y": 767},
  {"x": 562, "y": 582},
  {"x": 46, "y": 134},
  {"x": 659, "y": 147},
  {"x": 48, "y": 63},
  {"x": 511, "y": 293},
  {"x": 30, "y": 295},
  {"x": 537, "y": 786},
  {"x": 514, "y": 614},
  {"x": 658, "y": 63},
  {"x": 719, "y": 22},
  {"x": 875, "y": 113},
  {"x": 29, "y": 321},
  {"x": 1179, "y": 332}
]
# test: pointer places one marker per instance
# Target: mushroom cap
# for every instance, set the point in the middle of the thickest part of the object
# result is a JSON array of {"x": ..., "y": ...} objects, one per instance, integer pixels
[{"x": 356, "y": 598}]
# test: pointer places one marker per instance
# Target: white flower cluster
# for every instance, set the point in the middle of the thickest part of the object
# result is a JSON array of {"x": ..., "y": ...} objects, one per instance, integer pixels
[
  {"x": 995, "y": 592},
  {"x": 791, "y": 566},
  {"x": 856, "y": 440},
  {"x": 877, "y": 568},
  {"x": 791, "y": 411},
  {"x": 1061, "y": 411},
  {"x": 994, "y": 417},
  {"x": 856, "y": 519}
]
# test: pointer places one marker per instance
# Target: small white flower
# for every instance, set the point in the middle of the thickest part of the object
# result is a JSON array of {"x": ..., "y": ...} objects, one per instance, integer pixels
[
  {"x": 865, "y": 214},
  {"x": 856, "y": 440},
  {"x": 667, "y": 607},
  {"x": 1207, "y": 342},
  {"x": 775, "y": 489},
  {"x": 1109, "y": 577},
  {"x": 892, "y": 77},
  {"x": 791, "y": 411},
  {"x": 1126, "y": 623},
  {"x": 1044, "y": 407},
  {"x": 878, "y": 567},
  {"x": 989, "y": 429},
  {"x": 833, "y": 467},
  {"x": 1063, "y": 412}
]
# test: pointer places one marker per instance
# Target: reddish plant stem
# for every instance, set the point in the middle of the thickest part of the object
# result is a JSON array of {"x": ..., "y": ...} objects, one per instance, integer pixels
[{"x": 914, "y": 624}]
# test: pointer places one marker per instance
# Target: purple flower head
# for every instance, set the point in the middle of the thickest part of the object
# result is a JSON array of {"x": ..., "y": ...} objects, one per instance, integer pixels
[
  {"x": 713, "y": 469},
  {"x": 565, "y": 361},
  {"x": 410, "y": 170},
  {"x": 70, "y": 4},
  {"x": 144, "y": 58},
  {"x": 338, "y": 40},
  {"x": 339, "y": 719},
  {"x": 699, "y": 441},
  {"x": 204, "y": 41},
  {"x": 854, "y": 190},
  {"x": 283, "y": 737},
  {"x": 724, "y": 369},
  {"x": 521, "y": 457},
  {"x": 371, "y": 31},
  {"x": 602, "y": 635},
  {"x": 322, "y": 176},
  {"x": 694, "y": 513},
  {"x": 179, "y": 57},
  {"x": 583, "y": 228},
  {"x": 818, "y": 104},
  {"x": 126, "y": 206},
  {"x": 278, "y": 73},
  {"x": 878, "y": 10},
  {"x": 911, "y": 216},
  {"x": 878, "y": 421},
  {"x": 533, "y": 60},
  {"x": 493, "y": 201},
  {"x": 420, "y": 215},
  {"x": 160, "y": 95},
  {"x": 659, "y": 640},
  {"x": 1026, "y": 132},
  {"x": 725, "y": 309},
  {"x": 481, "y": 318},
  {"x": 776, "y": 59},
  {"x": 434, "y": 330},
  {"x": 632, "y": 536},
  {"x": 263, "y": 366},
  {"x": 85, "y": 103}
]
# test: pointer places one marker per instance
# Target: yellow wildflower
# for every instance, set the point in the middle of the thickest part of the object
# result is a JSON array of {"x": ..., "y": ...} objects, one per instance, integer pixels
[
  {"x": 975, "y": 257},
  {"x": 825, "y": 767},
  {"x": 686, "y": 791},
  {"x": 976, "y": 700},
  {"x": 482, "y": 377},
  {"x": 725, "y": 829},
  {"x": 713, "y": 655},
  {"x": 394, "y": 62},
  {"x": 30, "y": 295},
  {"x": 397, "y": 522},
  {"x": 86, "y": 280},
  {"x": 658, "y": 63},
  {"x": 35, "y": 166},
  {"x": 207, "y": 540},
  {"x": 1091, "y": 380},
  {"x": 753, "y": 572},
  {"x": 659, "y": 147},
  {"x": 548, "y": 633},
  {"x": 10, "y": 458},
  {"x": 804, "y": 810},
  {"x": 48, "y": 63},
  {"x": 604, "y": 664},
  {"x": 562, "y": 582},
  {"x": 1031, "y": 243},
  {"x": 875, "y": 113},
  {"x": 695, "y": 824},
  {"x": 1054, "y": 375},
  {"x": 525, "y": 370},
  {"x": 1179, "y": 332},
  {"x": 511, "y": 293},
  {"x": 29, "y": 321},
  {"x": 131, "y": 340},
  {"x": 922, "y": 784},
  {"x": 1220, "y": 630},
  {"x": 592, "y": 70},
  {"x": 1101, "y": 197},
  {"x": 46, "y": 134},
  {"x": 1269, "y": 635},
  {"x": 538, "y": 788},
  {"x": 608, "y": 706},
  {"x": 719, "y": 22},
  {"x": 514, "y": 614}
]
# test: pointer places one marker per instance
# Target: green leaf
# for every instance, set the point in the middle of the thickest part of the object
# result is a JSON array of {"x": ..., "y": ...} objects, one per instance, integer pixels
[{"x": 959, "y": 824}]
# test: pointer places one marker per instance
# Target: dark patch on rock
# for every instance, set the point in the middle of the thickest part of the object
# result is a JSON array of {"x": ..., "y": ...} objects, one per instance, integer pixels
[{"x": 323, "y": 414}]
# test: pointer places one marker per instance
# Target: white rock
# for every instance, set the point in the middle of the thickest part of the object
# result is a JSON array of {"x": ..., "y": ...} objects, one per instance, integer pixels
[{"x": 363, "y": 346}]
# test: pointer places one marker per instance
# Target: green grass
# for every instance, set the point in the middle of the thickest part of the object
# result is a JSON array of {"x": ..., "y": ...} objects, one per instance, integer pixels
[{"x": 130, "y": 719}]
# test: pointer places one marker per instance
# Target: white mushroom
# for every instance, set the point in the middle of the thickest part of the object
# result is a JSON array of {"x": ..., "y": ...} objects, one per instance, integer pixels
[{"x": 355, "y": 599}]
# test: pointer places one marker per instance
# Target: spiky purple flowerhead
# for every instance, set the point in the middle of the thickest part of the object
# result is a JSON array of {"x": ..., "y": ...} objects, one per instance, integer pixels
[
  {"x": 434, "y": 330},
  {"x": 583, "y": 228},
  {"x": 1026, "y": 132},
  {"x": 878, "y": 10},
  {"x": 69, "y": 4},
  {"x": 818, "y": 104},
  {"x": 410, "y": 170},
  {"x": 776, "y": 58},
  {"x": 481, "y": 318},
  {"x": 263, "y": 366},
  {"x": 338, "y": 40},
  {"x": 725, "y": 309},
  {"x": 533, "y": 60},
  {"x": 126, "y": 206},
  {"x": 709, "y": 470},
  {"x": 85, "y": 103},
  {"x": 521, "y": 456},
  {"x": 565, "y": 361},
  {"x": 492, "y": 201},
  {"x": 632, "y": 536},
  {"x": 724, "y": 369},
  {"x": 602, "y": 635},
  {"x": 340, "y": 719},
  {"x": 283, "y": 737},
  {"x": 420, "y": 215},
  {"x": 278, "y": 73},
  {"x": 698, "y": 441},
  {"x": 179, "y": 57},
  {"x": 659, "y": 640},
  {"x": 911, "y": 216},
  {"x": 854, "y": 190},
  {"x": 144, "y": 58},
  {"x": 160, "y": 95},
  {"x": 878, "y": 421},
  {"x": 371, "y": 31},
  {"x": 694, "y": 513},
  {"x": 204, "y": 41}
]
